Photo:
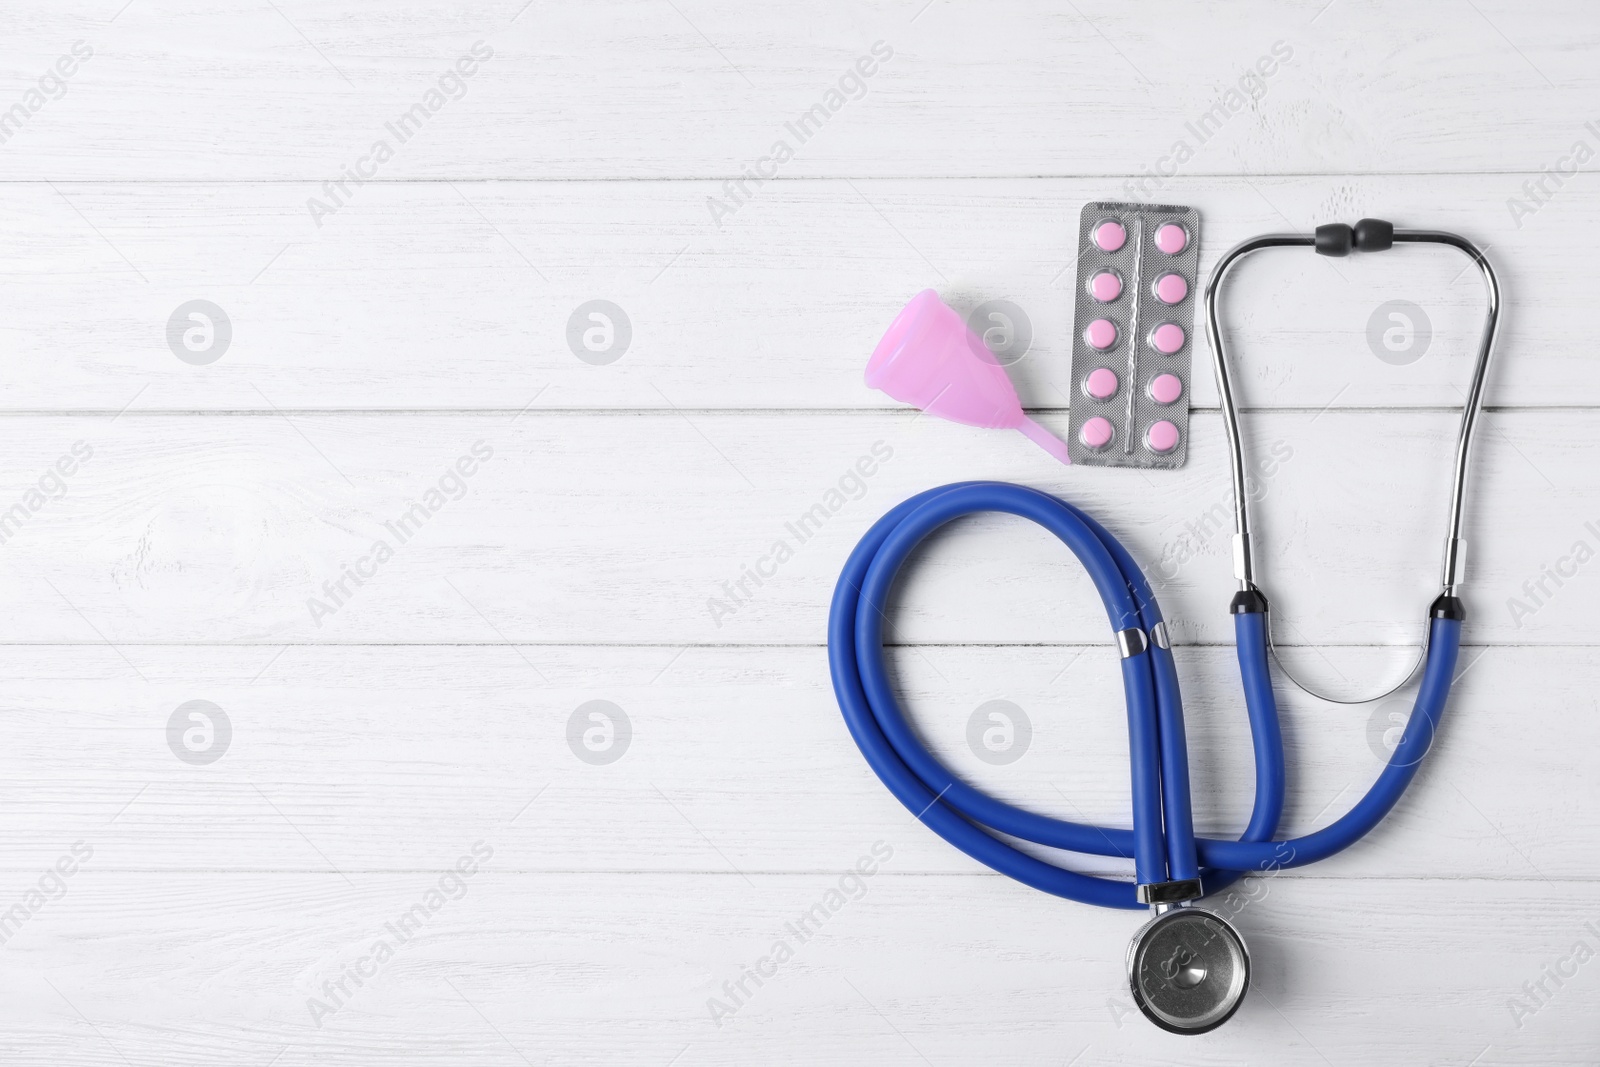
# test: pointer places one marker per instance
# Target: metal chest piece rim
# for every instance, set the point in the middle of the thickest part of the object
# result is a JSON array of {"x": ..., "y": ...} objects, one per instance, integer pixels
[{"x": 1188, "y": 969}]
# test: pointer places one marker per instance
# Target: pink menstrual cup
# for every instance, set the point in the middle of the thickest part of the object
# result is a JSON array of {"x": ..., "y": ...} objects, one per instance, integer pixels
[{"x": 931, "y": 360}]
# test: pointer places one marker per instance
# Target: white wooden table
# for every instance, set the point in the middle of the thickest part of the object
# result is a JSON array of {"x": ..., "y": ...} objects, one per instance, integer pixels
[{"x": 175, "y": 529}]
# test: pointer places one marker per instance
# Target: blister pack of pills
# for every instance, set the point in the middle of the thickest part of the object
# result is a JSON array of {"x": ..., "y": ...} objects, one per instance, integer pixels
[{"x": 1132, "y": 351}]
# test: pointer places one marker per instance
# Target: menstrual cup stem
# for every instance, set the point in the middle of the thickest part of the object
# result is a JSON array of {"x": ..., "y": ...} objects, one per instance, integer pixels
[{"x": 1045, "y": 439}]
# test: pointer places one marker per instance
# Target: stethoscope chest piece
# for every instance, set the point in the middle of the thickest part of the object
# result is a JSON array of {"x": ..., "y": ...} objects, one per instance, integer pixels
[{"x": 1188, "y": 970}]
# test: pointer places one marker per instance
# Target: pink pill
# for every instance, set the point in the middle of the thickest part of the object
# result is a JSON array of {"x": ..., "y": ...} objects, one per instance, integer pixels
[
  {"x": 1109, "y": 235},
  {"x": 1171, "y": 238},
  {"x": 1166, "y": 388},
  {"x": 1097, "y": 432},
  {"x": 1102, "y": 384},
  {"x": 1162, "y": 437},
  {"x": 1171, "y": 288},
  {"x": 1105, "y": 286},
  {"x": 1102, "y": 334},
  {"x": 1167, "y": 338}
]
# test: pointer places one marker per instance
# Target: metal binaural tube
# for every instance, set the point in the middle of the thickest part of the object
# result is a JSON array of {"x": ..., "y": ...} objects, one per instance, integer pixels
[
  {"x": 1243, "y": 568},
  {"x": 1451, "y": 570},
  {"x": 1450, "y": 576}
]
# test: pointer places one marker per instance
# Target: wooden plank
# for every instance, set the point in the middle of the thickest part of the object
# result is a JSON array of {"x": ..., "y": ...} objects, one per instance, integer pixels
[
  {"x": 301, "y": 91},
  {"x": 459, "y": 296},
  {"x": 208, "y": 968},
  {"x": 623, "y": 528},
  {"x": 165, "y": 523},
  {"x": 379, "y": 758}
]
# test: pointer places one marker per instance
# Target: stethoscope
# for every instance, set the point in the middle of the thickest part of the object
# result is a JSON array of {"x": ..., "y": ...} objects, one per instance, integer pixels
[{"x": 1188, "y": 967}]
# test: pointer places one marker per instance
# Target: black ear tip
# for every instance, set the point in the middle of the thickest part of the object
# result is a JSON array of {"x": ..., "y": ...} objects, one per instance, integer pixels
[
  {"x": 1374, "y": 235},
  {"x": 1368, "y": 235},
  {"x": 1335, "y": 239}
]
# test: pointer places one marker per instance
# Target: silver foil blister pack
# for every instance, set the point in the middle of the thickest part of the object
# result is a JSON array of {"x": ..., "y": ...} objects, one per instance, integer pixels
[{"x": 1132, "y": 351}]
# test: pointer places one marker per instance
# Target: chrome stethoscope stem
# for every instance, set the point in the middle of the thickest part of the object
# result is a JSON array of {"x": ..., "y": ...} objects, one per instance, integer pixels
[
  {"x": 1243, "y": 566},
  {"x": 1451, "y": 575}
]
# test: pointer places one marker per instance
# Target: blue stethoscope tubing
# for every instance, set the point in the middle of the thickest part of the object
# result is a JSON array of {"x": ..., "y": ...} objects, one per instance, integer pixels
[{"x": 1162, "y": 842}]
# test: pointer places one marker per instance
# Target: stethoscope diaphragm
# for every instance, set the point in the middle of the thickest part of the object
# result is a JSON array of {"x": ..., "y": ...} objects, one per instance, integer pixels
[{"x": 1188, "y": 969}]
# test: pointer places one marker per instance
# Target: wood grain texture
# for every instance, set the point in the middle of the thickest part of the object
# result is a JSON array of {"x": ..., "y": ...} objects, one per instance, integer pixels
[
  {"x": 624, "y": 528},
  {"x": 191, "y": 969},
  {"x": 458, "y": 295},
  {"x": 297, "y": 90},
  {"x": 734, "y": 760},
  {"x": 556, "y": 533}
]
